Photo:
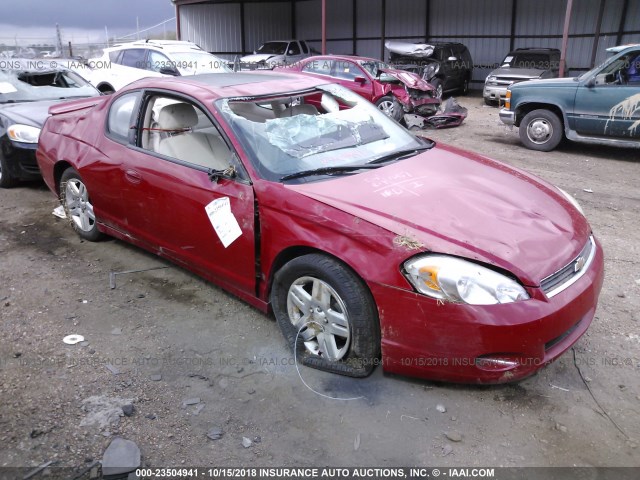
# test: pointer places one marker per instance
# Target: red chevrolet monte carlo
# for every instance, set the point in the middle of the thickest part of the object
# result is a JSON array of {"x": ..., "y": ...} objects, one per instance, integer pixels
[{"x": 366, "y": 242}]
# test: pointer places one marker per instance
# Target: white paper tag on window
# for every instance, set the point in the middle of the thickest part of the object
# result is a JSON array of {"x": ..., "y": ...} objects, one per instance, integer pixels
[
  {"x": 223, "y": 221},
  {"x": 6, "y": 87}
]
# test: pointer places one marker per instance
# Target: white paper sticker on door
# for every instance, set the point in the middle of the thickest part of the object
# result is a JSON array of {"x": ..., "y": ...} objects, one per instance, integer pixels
[{"x": 223, "y": 221}]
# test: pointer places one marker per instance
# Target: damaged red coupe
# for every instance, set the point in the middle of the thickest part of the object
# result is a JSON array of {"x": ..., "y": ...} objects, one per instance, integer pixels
[{"x": 369, "y": 244}]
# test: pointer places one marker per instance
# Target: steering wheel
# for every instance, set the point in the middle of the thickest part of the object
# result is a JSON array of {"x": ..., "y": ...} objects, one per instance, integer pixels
[{"x": 621, "y": 77}]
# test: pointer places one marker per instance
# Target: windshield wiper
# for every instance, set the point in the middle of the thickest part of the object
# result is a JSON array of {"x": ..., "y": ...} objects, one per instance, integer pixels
[
  {"x": 329, "y": 171},
  {"x": 402, "y": 154}
]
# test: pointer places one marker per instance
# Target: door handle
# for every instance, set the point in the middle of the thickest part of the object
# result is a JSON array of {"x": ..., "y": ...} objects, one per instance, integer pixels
[{"x": 133, "y": 176}]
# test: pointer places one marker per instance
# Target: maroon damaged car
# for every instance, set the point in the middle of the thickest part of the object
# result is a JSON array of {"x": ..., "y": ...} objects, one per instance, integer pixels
[
  {"x": 395, "y": 92},
  {"x": 369, "y": 244}
]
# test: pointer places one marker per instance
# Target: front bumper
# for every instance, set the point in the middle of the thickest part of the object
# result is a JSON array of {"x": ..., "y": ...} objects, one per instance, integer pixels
[
  {"x": 448, "y": 342},
  {"x": 494, "y": 93},
  {"x": 20, "y": 159},
  {"x": 507, "y": 117}
]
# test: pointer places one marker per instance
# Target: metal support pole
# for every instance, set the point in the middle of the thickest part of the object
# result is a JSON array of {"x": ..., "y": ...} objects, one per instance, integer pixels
[
  {"x": 596, "y": 37},
  {"x": 565, "y": 38},
  {"x": 324, "y": 27},
  {"x": 383, "y": 20}
]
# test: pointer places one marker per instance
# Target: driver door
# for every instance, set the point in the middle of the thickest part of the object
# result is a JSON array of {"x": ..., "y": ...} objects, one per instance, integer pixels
[
  {"x": 610, "y": 107},
  {"x": 172, "y": 204}
]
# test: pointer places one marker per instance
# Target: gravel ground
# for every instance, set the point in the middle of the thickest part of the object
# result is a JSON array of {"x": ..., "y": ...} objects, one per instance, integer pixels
[{"x": 62, "y": 402}]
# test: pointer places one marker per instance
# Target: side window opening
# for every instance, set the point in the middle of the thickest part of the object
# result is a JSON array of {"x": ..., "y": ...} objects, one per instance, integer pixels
[
  {"x": 120, "y": 116},
  {"x": 178, "y": 129}
]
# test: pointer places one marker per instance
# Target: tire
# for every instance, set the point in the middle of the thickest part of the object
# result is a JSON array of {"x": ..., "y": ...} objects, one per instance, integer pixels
[
  {"x": 350, "y": 344},
  {"x": 541, "y": 130},
  {"x": 491, "y": 103},
  {"x": 74, "y": 196},
  {"x": 390, "y": 107},
  {"x": 465, "y": 87},
  {"x": 7, "y": 180},
  {"x": 437, "y": 85}
]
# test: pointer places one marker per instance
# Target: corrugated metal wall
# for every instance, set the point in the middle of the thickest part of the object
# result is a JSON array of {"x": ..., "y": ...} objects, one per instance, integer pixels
[{"x": 484, "y": 26}]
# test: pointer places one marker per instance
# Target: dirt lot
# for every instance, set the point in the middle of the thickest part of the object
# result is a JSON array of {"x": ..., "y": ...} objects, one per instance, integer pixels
[{"x": 207, "y": 345}]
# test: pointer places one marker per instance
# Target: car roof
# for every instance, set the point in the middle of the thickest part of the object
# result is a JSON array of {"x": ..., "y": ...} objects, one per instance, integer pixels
[
  {"x": 231, "y": 85},
  {"x": 620, "y": 48},
  {"x": 354, "y": 58}
]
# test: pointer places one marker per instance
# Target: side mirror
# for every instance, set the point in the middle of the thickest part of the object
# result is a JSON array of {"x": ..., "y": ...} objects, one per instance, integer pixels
[
  {"x": 590, "y": 83},
  {"x": 360, "y": 80},
  {"x": 169, "y": 71}
]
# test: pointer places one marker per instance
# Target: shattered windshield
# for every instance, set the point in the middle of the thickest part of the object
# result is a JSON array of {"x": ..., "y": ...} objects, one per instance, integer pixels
[
  {"x": 30, "y": 86},
  {"x": 273, "y": 48},
  {"x": 327, "y": 127}
]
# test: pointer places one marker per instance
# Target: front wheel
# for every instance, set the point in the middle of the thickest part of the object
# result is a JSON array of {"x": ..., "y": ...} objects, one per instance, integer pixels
[
  {"x": 7, "y": 180},
  {"x": 541, "y": 130},
  {"x": 327, "y": 308},
  {"x": 390, "y": 107},
  {"x": 77, "y": 205}
]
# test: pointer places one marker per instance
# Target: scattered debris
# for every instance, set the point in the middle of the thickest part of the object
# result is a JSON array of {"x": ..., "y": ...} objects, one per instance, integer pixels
[
  {"x": 454, "y": 436},
  {"x": 122, "y": 456},
  {"x": 446, "y": 450},
  {"x": 257, "y": 439},
  {"x": 199, "y": 408},
  {"x": 73, "y": 339},
  {"x": 246, "y": 443},
  {"x": 150, "y": 416},
  {"x": 112, "y": 275},
  {"x": 128, "y": 409},
  {"x": 112, "y": 369},
  {"x": 559, "y": 388},
  {"x": 116, "y": 331},
  {"x": 441, "y": 408},
  {"x": 156, "y": 378},
  {"x": 37, "y": 470},
  {"x": 84, "y": 344},
  {"x": 561, "y": 427},
  {"x": 59, "y": 212},
  {"x": 215, "y": 433},
  {"x": 103, "y": 411},
  {"x": 588, "y": 190},
  {"x": 190, "y": 401},
  {"x": 356, "y": 442}
]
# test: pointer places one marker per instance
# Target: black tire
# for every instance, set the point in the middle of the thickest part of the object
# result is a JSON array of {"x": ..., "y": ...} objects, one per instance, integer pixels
[
  {"x": 490, "y": 102},
  {"x": 74, "y": 196},
  {"x": 438, "y": 88},
  {"x": 541, "y": 130},
  {"x": 465, "y": 87},
  {"x": 358, "y": 354},
  {"x": 390, "y": 107},
  {"x": 7, "y": 180}
]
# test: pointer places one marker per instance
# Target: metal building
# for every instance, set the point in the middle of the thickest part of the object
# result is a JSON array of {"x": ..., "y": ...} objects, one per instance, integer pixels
[{"x": 490, "y": 28}]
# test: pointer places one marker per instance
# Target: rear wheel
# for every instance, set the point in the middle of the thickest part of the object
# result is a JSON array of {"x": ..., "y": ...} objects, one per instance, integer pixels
[
  {"x": 541, "y": 130},
  {"x": 77, "y": 205},
  {"x": 390, "y": 107},
  {"x": 465, "y": 87},
  {"x": 323, "y": 304},
  {"x": 6, "y": 179}
]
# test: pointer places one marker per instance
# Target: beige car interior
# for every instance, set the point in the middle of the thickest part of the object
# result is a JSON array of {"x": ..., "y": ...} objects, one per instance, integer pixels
[{"x": 180, "y": 130}]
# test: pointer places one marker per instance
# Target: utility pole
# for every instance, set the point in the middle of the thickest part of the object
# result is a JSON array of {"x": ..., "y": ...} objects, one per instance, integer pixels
[
  {"x": 58, "y": 39},
  {"x": 106, "y": 34},
  {"x": 137, "y": 29}
]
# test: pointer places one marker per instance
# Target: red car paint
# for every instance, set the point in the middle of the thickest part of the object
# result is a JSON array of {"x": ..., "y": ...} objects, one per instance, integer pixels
[
  {"x": 414, "y": 93},
  {"x": 444, "y": 200}
]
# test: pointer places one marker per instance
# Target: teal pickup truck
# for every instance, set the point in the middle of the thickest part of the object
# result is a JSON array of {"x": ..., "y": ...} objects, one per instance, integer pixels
[{"x": 602, "y": 106}]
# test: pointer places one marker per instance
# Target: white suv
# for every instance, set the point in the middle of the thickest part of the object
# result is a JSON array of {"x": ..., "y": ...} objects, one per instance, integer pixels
[{"x": 127, "y": 62}]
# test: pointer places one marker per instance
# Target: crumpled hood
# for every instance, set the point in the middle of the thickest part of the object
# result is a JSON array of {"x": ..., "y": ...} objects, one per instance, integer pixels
[
  {"x": 466, "y": 205},
  {"x": 518, "y": 72},
  {"x": 410, "y": 79},
  {"x": 29, "y": 113},
  {"x": 260, "y": 57}
]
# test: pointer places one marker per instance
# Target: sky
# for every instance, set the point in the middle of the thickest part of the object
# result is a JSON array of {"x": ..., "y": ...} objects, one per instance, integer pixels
[{"x": 34, "y": 21}]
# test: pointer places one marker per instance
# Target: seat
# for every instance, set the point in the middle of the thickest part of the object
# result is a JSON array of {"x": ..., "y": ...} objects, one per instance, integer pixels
[
  {"x": 302, "y": 109},
  {"x": 252, "y": 112},
  {"x": 204, "y": 149}
]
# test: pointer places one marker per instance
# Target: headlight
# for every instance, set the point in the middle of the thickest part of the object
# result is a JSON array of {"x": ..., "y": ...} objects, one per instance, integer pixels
[
  {"x": 23, "y": 133},
  {"x": 491, "y": 78},
  {"x": 572, "y": 200},
  {"x": 456, "y": 280}
]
